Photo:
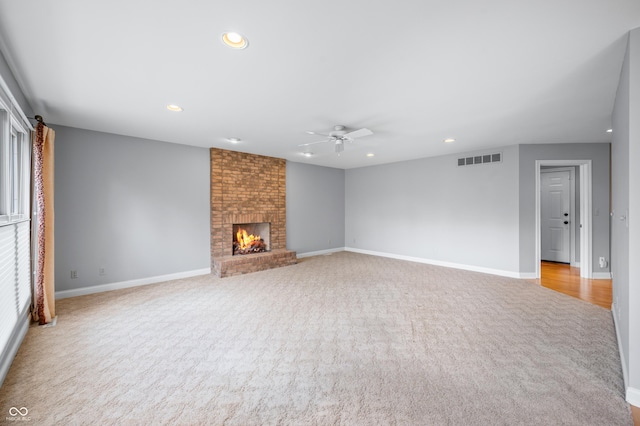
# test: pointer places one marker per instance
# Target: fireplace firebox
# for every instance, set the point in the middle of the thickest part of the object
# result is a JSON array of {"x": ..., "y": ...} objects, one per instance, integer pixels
[{"x": 249, "y": 238}]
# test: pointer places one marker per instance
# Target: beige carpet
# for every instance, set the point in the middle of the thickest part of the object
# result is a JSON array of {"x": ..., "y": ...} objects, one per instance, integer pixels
[{"x": 340, "y": 339}]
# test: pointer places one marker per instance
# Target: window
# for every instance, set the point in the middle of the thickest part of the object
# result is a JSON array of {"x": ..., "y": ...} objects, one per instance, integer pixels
[
  {"x": 14, "y": 171},
  {"x": 15, "y": 227},
  {"x": 14, "y": 174}
]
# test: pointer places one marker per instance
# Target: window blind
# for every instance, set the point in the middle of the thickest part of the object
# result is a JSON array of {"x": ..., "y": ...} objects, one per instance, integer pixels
[{"x": 15, "y": 283}]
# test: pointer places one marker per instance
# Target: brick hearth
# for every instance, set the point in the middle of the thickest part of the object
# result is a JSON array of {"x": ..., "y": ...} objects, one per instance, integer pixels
[
  {"x": 247, "y": 188},
  {"x": 236, "y": 265}
]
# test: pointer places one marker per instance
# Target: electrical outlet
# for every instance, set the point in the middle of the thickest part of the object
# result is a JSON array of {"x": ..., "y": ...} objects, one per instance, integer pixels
[
  {"x": 74, "y": 274},
  {"x": 101, "y": 271}
]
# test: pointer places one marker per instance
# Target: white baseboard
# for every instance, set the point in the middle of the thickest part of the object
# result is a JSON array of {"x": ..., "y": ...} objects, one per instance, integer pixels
[
  {"x": 601, "y": 276},
  {"x": 320, "y": 252},
  {"x": 623, "y": 361},
  {"x": 528, "y": 276},
  {"x": 633, "y": 396},
  {"x": 11, "y": 350},
  {"x": 63, "y": 294},
  {"x": 473, "y": 268}
]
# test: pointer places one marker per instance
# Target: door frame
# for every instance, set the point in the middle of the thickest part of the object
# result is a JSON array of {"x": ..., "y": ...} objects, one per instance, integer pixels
[{"x": 585, "y": 213}]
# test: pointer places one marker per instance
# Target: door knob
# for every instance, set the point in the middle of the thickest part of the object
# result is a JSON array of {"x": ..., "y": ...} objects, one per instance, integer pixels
[
  {"x": 566, "y": 222},
  {"x": 566, "y": 214}
]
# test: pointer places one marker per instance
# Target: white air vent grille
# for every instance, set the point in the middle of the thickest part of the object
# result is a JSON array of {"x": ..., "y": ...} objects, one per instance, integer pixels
[{"x": 480, "y": 159}]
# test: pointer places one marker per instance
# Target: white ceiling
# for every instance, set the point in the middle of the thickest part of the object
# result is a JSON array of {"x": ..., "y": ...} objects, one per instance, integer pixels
[{"x": 488, "y": 73}]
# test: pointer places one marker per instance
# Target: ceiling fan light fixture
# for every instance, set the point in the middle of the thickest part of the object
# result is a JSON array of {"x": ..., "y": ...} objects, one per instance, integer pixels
[
  {"x": 338, "y": 136},
  {"x": 235, "y": 40}
]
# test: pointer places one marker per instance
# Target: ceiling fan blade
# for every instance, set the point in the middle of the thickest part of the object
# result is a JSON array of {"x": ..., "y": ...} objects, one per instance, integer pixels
[
  {"x": 313, "y": 143},
  {"x": 358, "y": 133},
  {"x": 316, "y": 133}
]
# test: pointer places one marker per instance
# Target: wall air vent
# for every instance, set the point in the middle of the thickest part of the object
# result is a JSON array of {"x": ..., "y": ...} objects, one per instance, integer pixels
[{"x": 480, "y": 159}]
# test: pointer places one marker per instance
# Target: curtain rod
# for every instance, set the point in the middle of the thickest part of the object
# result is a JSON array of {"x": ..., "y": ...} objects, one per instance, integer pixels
[{"x": 39, "y": 119}]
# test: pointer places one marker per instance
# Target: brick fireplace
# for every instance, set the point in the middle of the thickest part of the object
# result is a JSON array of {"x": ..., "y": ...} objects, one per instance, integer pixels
[{"x": 245, "y": 189}]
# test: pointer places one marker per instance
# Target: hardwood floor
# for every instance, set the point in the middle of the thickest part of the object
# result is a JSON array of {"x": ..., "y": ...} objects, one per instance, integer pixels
[{"x": 565, "y": 279}]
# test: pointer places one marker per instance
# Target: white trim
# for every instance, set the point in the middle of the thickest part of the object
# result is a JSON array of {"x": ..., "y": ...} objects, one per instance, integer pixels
[
  {"x": 528, "y": 276},
  {"x": 320, "y": 252},
  {"x": 26, "y": 219},
  {"x": 586, "y": 205},
  {"x": 11, "y": 350},
  {"x": 585, "y": 213},
  {"x": 623, "y": 362},
  {"x": 633, "y": 396},
  {"x": 15, "y": 106},
  {"x": 601, "y": 276},
  {"x": 63, "y": 294},
  {"x": 473, "y": 268}
]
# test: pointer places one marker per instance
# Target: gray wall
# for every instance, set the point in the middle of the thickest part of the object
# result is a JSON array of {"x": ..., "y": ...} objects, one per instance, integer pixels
[
  {"x": 633, "y": 303},
  {"x": 625, "y": 152},
  {"x": 315, "y": 208},
  {"x": 136, "y": 207},
  {"x": 620, "y": 207},
  {"x": 432, "y": 209},
  {"x": 599, "y": 154}
]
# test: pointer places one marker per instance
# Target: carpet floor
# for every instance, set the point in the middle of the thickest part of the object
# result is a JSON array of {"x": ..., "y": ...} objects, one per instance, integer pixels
[{"x": 344, "y": 339}]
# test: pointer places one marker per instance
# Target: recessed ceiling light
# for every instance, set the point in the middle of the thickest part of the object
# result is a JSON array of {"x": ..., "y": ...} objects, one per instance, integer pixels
[
  {"x": 449, "y": 140},
  {"x": 371, "y": 154},
  {"x": 235, "y": 40},
  {"x": 609, "y": 130},
  {"x": 234, "y": 140},
  {"x": 308, "y": 154},
  {"x": 174, "y": 108}
]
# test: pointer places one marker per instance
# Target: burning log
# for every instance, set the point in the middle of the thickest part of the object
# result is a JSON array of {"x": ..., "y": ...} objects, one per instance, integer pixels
[
  {"x": 254, "y": 247},
  {"x": 247, "y": 244}
]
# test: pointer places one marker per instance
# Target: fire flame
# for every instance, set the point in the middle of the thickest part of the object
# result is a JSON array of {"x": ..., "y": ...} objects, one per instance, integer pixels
[{"x": 245, "y": 240}]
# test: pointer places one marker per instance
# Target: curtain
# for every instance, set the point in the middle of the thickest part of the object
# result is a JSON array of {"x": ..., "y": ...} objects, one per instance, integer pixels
[{"x": 44, "y": 310}]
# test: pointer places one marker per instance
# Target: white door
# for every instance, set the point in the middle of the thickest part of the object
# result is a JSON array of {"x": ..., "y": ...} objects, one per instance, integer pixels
[{"x": 554, "y": 219}]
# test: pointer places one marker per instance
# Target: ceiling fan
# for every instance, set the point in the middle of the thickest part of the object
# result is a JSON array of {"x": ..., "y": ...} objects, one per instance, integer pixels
[{"x": 339, "y": 135}]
